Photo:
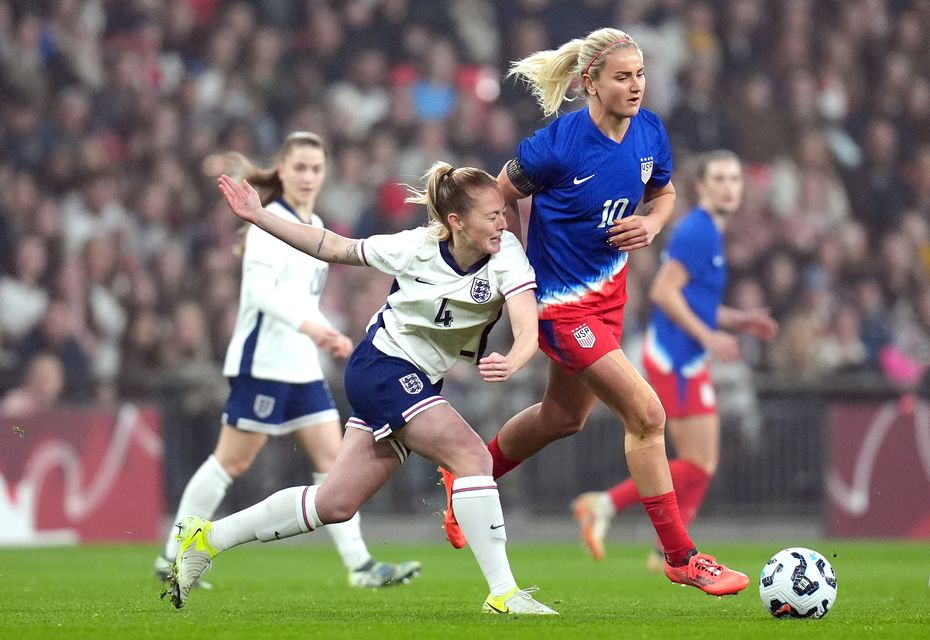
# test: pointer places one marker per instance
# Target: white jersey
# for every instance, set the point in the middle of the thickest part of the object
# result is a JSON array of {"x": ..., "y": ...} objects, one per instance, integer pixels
[
  {"x": 281, "y": 288},
  {"x": 436, "y": 313}
]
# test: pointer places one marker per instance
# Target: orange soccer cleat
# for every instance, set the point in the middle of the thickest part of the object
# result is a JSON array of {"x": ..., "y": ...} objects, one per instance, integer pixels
[
  {"x": 593, "y": 521},
  {"x": 711, "y": 577},
  {"x": 449, "y": 523}
]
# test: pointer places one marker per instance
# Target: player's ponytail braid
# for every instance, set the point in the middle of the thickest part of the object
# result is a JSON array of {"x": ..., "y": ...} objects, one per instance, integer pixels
[
  {"x": 448, "y": 190},
  {"x": 550, "y": 73}
]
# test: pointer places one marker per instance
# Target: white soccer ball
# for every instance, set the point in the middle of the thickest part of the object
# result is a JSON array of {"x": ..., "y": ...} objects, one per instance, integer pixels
[{"x": 799, "y": 583}]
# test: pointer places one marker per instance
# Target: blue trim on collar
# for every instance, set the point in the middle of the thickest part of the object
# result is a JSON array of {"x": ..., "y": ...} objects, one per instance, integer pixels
[
  {"x": 450, "y": 260},
  {"x": 284, "y": 204}
]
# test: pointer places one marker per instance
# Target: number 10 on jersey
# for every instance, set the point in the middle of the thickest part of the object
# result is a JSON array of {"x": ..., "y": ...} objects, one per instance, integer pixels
[{"x": 613, "y": 210}]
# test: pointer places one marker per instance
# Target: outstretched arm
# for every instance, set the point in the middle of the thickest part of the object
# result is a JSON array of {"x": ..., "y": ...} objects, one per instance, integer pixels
[{"x": 314, "y": 241}]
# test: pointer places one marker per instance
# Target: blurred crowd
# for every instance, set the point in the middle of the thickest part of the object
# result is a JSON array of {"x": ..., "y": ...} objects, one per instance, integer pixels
[{"x": 118, "y": 276}]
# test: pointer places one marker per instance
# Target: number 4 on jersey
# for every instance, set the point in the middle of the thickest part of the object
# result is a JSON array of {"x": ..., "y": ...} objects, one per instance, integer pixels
[{"x": 444, "y": 317}]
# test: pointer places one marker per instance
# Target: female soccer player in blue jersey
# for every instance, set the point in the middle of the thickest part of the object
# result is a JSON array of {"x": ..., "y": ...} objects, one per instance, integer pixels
[
  {"x": 273, "y": 361},
  {"x": 689, "y": 324},
  {"x": 587, "y": 172},
  {"x": 452, "y": 278}
]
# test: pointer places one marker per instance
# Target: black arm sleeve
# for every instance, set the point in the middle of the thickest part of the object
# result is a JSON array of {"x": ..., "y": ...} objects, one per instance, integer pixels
[{"x": 519, "y": 179}]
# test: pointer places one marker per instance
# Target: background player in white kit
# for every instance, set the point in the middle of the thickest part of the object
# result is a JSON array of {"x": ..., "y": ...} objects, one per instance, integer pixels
[
  {"x": 273, "y": 361},
  {"x": 452, "y": 278}
]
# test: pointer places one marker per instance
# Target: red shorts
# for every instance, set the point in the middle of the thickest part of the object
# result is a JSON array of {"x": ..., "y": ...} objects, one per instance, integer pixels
[
  {"x": 576, "y": 343},
  {"x": 682, "y": 396}
]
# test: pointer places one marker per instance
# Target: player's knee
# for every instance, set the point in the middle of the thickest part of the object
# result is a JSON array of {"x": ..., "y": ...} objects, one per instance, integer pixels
[
  {"x": 236, "y": 466},
  {"x": 564, "y": 426},
  {"x": 473, "y": 460},
  {"x": 648, "y": 425},
  {"x": 655, "y": 416},
  {"x": 337, "y": 510}
]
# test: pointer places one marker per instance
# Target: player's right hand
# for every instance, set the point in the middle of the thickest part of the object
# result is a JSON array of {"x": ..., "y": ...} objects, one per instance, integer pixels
[
  {"x": 722, "y": 346},
  {"x": 327, "y": 338},
  {"x": 495, "y": 368},
  {"x": 341, "y": 347},
  {"x": 241, "y": 198}
]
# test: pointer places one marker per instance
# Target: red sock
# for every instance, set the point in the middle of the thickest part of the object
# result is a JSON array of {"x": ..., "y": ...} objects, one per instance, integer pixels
[
  {"x": 691, "y": 484},
  {"x": 623, "y": 494},
  {"x": 502, "y": 464},
  {"x": 663, "y": 511}
]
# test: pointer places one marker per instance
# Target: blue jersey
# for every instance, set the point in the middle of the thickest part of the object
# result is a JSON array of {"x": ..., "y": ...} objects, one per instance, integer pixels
[
  {"x": 697, "y": 244},
  {"x": 587, "y": 182}
]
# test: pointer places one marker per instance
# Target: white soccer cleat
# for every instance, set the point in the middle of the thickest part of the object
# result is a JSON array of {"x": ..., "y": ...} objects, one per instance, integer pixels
[
  {"x": 593, "y": 521},
  {"x": 162, "y": 569},
  {"x": 195, "y": 557},
  {"x": 517, "y": 602},
  {"x": 374, "y": 575}
]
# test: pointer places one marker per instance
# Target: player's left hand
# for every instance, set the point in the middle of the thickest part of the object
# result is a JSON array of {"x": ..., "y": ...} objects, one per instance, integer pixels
[
  {"x": 495, "y": 368},
  {"x": 760, "y": 324},
  {"x": 633, "y": 232}
]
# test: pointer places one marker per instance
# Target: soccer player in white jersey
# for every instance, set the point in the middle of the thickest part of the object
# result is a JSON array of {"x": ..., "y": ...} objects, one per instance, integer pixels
[
  {"x": 452, "y": 278},
  {"x": 273, "y": 361}
]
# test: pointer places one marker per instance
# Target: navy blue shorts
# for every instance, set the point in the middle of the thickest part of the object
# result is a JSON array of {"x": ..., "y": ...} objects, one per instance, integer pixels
[
  {"x": 386, "y": 392},
  {"x": 277, "y": 408}
]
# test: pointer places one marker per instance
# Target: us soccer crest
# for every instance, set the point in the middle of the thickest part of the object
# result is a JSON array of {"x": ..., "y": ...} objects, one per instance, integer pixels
[
  {"x": 480, "y": 290},
  {"x": 412, "y": 384},
  {"x": 645, "y": 168},
  {"x": 584, "y": 336},
  {"x": 263, "y": 406}
]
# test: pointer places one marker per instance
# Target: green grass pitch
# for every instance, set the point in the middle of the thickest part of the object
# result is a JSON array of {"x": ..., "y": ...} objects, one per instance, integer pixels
[{"x": 299, "y": 591}]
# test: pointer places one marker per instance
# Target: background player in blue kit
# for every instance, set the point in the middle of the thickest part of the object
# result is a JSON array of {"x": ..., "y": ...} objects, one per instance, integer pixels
[
  {"x": 452, "y": 278},
  {"x": 687, "y": 328},
  {"x": 587, "y": 172},
  {"x": 273, "y": 361}
]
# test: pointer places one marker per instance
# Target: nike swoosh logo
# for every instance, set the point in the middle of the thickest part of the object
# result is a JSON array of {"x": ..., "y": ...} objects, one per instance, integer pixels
[
  {"x": 422, "y": 281},
  {"x": 495, "y": 527},
  {"x": 580, "y": 180}
]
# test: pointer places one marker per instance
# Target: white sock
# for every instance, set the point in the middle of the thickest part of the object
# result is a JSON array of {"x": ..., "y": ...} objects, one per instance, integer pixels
[
  {"x": 477, "y": 507},
  {"x": 280, "y": 515},
  {"x": 347, "y": 536},
  {"x": 202, "y": 497},
  {"x": 605, "y": 503}
]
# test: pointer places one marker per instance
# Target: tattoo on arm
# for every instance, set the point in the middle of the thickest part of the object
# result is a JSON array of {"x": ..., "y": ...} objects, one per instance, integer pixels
[
  {"x": 350, "y": 256},
  {"x": 319, "y": 247}
]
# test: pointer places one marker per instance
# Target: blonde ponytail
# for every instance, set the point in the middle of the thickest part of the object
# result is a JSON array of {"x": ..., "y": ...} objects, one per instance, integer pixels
[
  {"x": 448, "y": 190},
  {"x": 550, "y": 73}
]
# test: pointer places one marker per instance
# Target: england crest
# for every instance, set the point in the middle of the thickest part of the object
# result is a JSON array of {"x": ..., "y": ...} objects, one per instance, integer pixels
[
  {"x": 645, "y": 168},
  {"x": 584, "y": 336},
  {"x": 263, "y": 406},
  {"x": 480, "y": 290},
  {"x": 412, "y": 384}
]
